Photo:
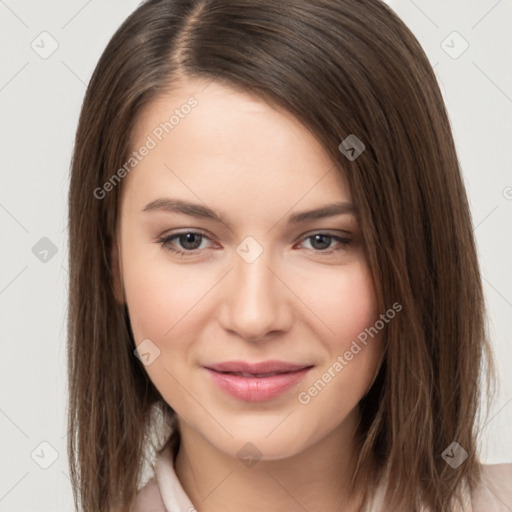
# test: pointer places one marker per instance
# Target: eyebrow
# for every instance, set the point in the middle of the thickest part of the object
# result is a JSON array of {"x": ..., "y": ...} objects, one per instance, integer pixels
[{"x": 197, "y": 210}]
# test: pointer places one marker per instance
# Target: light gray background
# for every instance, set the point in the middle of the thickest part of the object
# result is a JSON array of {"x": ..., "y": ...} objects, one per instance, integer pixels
[{"x": 39, "y": 107}]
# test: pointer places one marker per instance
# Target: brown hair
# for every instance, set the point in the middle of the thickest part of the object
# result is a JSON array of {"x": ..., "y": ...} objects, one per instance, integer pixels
[{"x": 341, "y": 67}]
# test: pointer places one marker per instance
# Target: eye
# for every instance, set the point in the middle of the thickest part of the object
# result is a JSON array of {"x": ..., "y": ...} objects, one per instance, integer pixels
[
  {"x": 322, "y": 241},
  {"x": 189, "y": 240}
]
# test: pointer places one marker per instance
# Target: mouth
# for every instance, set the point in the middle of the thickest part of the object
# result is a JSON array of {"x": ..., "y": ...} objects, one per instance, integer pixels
[
  {"x": 263, "y": 368},
  {"x": 254, "y": 386},
  {"x": 257, "y": 375}
]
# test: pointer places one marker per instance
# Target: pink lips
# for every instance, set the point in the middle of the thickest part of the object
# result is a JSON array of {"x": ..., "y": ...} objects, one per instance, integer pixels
[{"x": 258, "y": 381}]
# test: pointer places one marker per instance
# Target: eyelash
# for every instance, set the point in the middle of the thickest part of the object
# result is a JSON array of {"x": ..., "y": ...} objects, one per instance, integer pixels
[{"x": 165, "y": 241}]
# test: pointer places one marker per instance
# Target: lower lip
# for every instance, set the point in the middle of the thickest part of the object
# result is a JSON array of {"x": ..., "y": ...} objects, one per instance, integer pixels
[{"x": 257, "y": 389}]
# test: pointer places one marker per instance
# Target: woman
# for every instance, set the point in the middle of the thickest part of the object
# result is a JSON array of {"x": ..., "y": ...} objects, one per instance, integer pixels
[{"x": 271, "y": 246}]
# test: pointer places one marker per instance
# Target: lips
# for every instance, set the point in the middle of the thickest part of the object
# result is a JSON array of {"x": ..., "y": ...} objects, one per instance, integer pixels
[
  {"x": 261, "y": 369},
  {"x": 245, "y": 374},
  {"x": 257, "y": 382}
]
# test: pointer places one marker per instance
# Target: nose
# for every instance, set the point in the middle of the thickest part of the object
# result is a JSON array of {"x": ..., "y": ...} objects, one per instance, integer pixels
[{"x": 257, "y": 302}]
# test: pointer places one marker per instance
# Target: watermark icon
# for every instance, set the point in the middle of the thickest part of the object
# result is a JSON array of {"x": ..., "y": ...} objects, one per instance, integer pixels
[
  {"x": 44, "y": 45},
  {"x": 304, "y": 397},
  {"x": 351, "y": 147},
  {"x": 454, "y": 45},
  {"x": 44, "y": 250},
  {"x": 249, "y": 249},
  {"x": 249, "y": 454},
  {"x": 44, "y": 455},
  {"x": 151, "y": 142},
  {"x": 507, "y": 193},
  {"x": 454, "y": 455},
  {"x": 147, "y": 352}
]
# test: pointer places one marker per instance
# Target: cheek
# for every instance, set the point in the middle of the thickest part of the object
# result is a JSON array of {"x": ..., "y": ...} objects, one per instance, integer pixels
[
  {"x": 166, "y": 304},
  {"x": 354, "y": 346},
  {"x": 153, "y": 302},
  {"x": 345, "y": 302},
  {"x": 162, "y": 298},
  {"x": 162, "y": 303},
  {"x": 357, "y": 308}
]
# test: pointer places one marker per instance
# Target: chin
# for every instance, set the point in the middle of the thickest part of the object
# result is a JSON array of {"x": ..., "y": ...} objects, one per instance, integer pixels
[{"x": 253, "y": 443}]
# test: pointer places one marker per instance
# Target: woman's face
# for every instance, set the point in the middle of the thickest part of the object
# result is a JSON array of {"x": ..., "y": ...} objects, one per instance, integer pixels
[{"x": 250, "y": 282}]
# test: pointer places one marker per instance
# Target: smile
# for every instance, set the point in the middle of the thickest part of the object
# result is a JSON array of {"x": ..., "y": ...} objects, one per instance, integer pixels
[{"x": 256, "y": 387}]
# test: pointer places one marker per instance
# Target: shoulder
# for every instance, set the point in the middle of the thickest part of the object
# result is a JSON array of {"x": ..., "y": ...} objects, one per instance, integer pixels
[
  {"x": 494, "y": 491},
  {"x": 149, "y": 499}
]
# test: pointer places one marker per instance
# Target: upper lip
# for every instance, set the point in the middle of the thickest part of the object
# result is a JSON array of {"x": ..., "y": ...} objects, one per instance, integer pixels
[{"x": 257, "y": 368}]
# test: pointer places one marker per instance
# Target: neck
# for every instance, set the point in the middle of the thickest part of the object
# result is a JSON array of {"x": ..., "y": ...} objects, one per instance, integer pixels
[{"x": 316, "y": 479}]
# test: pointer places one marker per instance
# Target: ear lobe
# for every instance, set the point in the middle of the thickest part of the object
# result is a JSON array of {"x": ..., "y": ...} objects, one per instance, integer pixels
[{"x": 118, "y": 287}]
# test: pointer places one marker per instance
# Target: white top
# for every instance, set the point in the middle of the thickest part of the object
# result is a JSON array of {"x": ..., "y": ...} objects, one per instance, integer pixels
[{"x": 164, "y": 492}]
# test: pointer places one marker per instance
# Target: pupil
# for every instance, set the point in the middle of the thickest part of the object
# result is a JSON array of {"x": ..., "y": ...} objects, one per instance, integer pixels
[
  {"x": 188, "y": 238},
  {"x": 325, "y": 238}
]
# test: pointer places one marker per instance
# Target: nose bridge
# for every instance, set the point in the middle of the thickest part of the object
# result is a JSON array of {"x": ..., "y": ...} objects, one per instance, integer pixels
[{"x": 255, "y": 302}]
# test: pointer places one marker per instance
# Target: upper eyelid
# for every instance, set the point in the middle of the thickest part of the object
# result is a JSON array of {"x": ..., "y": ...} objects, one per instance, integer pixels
[{"x": 327, "y": 231}]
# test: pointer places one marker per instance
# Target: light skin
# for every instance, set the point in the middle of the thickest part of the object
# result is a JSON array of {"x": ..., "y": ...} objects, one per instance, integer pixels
[{"x": 302, "y": 300}]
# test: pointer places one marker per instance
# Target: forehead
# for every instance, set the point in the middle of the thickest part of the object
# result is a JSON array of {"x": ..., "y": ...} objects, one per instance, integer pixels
[
  {"x": 222, "y": 115},
  {"x": 217, "y": 140}
]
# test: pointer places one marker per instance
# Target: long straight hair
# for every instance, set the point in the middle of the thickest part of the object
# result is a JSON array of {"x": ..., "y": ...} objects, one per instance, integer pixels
[{"x": 341, "y": 67}]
